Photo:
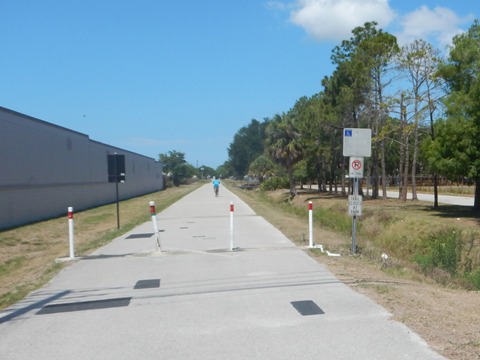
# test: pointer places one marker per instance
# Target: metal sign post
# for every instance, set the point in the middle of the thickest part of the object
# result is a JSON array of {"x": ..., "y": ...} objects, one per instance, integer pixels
[
  {"x": 357, "y": 144},
  {"x": 353, "y": 199},
  {"x": 116, "y": 174}
]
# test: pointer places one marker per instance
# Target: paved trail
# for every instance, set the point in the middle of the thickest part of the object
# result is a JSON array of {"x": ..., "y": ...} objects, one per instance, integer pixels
[{"x": 199, "y": 300}]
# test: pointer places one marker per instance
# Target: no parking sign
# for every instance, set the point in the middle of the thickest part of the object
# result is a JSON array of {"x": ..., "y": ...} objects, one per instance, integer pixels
[{"x": 356, "y": 167}]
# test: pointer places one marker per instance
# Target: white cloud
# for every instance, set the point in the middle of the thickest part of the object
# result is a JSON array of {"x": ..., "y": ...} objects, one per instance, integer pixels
[
  {"x": 440, "y": 24},
  {"x": 327, "y": 20}
]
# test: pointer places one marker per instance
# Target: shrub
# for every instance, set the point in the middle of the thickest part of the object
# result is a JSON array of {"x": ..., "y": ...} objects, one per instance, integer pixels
[
  {"x": 474, "y": 279},
  {"x": 335, "y": 219},
  {"x": 275, "y": 183},
  {"x": 442, "y": 250}
]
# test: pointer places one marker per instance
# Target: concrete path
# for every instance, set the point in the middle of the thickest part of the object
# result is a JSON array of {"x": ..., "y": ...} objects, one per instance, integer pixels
[{"x": 199, "y": 300}]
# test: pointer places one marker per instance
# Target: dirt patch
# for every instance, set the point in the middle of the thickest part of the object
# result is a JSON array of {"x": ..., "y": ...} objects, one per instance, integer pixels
[{"x": 447, "y": 319}]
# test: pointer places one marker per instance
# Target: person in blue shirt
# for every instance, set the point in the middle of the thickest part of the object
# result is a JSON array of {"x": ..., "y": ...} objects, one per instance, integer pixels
[{"x": 216, "y": 185}]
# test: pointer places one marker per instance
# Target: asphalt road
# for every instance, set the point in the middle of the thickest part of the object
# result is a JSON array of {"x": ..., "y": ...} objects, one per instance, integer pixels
[
  {"x": 198, "y": 299},
  {"x": 442, "y": 199}
]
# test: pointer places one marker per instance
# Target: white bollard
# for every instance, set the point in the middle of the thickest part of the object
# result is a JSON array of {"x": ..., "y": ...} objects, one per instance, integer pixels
[
  {"x": 155, "y": 225},
  {"x": 71, "y": 235},
  {"x": 310, "y": 223},
  {"x": 231, "y": 225}
]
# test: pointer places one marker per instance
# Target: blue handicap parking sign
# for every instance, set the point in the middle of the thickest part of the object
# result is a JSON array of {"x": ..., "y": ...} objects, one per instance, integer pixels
[{"x": 348, "y": 132}]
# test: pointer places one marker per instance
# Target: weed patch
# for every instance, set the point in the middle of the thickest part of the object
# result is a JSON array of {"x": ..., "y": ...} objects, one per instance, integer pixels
[{"x": 11, "y": 265}]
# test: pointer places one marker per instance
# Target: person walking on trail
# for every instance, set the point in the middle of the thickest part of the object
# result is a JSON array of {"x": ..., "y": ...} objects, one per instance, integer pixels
[{"x": 216, "y": 185}]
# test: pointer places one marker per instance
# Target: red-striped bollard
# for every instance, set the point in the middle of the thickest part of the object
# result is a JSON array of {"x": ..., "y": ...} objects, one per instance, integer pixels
[
  {"x": 155, "y": 225},
  {"x": 310, "y": 223},
  {"x": 231, "y": 225},
  {"x": 71, "y": 235}
]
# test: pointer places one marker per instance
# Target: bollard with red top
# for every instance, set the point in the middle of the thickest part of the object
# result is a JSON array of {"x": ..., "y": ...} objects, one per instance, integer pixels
[
  {"x": 310, "y": 223},
  {"x": 154, "y": 222},
  {"x": 152, "y": 208},
  {"x": 71, "y": 235},
  {"x": 231, "y": 225}
]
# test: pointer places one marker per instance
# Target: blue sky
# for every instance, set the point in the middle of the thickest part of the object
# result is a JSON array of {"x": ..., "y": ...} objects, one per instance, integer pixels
[{"x": 151, "y": 76}]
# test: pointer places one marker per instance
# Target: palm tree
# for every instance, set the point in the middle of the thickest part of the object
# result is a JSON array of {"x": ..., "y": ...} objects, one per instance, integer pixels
[
  {"x": 283, "y": 145},
  {"x": 261, "y": 168}
]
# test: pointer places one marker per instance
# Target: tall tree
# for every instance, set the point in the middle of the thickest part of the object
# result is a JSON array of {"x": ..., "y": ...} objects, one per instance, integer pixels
[
  {"x": 367, "y": 58},
  {"x": 376, "y": 52},
  {"x": 247, "y": 145},
  {"x": 313, "y": 117},
  {"x": 261, "y": 168},
  {"x": 418, "y": 62},
  {"x": 283, "y": 145},
  {"x": 462, "y": 74},
  {"x": 174, "y": 163},
  {"x": 343, "y": 96}
]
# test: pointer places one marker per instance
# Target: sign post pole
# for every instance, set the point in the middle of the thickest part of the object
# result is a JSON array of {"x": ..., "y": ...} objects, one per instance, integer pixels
[
  {"x": 354, "y": 222},
  {"x": 357, "y": 143},
  {"x": 118, "y": 204},
  {"x": 355, "y": 201},
  {"x": 116, "y": 174}
]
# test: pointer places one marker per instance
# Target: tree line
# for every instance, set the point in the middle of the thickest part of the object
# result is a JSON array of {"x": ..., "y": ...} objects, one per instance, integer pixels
[
  {"x": 423, "y": 109},
  {"x": 177, "y": 171}
]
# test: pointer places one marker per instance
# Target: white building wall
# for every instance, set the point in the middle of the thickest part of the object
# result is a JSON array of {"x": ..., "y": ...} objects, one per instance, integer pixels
[{"x": 45, "y": 168}]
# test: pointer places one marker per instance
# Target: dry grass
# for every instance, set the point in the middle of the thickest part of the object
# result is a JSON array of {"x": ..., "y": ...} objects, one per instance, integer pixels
[
  {"x": 28, "y": 253},
  {"x": 446, "y": 317}
]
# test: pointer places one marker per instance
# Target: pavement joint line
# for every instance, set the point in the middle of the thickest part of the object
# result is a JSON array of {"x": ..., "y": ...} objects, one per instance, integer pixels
[
  {"x": 174, "y": 251},
  {"x": 166, "y": 293}
]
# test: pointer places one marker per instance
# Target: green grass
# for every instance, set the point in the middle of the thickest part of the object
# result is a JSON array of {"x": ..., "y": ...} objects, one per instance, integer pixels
[
  {"x": 8, "y": 240},
  {"x": 98, "y": 218},
  {"x": 11, "y": 265}
]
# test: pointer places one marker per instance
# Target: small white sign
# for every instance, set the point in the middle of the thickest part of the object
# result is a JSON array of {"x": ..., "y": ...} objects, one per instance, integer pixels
[
  {"x": 357, "y": 142},
  {"x": 355, "y": 205},
  {"x": 355, "y": 199},
  {"x": 356, "y": 167}
]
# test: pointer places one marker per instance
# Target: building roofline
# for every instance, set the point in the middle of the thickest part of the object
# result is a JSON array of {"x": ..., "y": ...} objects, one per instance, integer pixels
[{"x": 31, "y": 118}]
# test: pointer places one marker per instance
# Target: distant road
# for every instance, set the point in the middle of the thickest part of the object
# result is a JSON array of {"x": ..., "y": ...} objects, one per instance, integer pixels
[{"x": 443, "y": 199}]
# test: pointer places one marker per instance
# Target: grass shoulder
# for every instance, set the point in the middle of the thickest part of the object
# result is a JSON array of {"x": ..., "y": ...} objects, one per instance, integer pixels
[
  {"x": 436, "y": 304},
  {"x": 28, "y": 253}
]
